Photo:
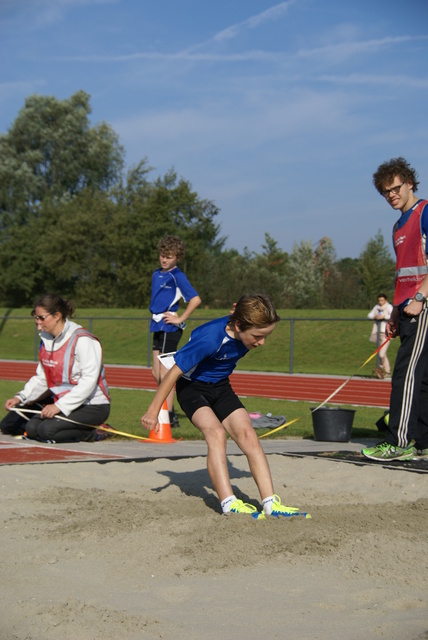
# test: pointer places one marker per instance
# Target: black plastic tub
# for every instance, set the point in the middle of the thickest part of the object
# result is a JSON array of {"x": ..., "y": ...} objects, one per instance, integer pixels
[{"x": 332, "y": 424}]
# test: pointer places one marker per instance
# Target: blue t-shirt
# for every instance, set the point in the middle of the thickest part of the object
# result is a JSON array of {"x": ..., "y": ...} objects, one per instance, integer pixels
[
  {"x": 211, "y": 354},
  {"x": 167, "y": 289},
  {"x": 405, "y": 216}
]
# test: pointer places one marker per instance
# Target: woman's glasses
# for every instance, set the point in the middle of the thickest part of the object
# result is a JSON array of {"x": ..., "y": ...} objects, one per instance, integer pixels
[{"x": 41, "y": 318}]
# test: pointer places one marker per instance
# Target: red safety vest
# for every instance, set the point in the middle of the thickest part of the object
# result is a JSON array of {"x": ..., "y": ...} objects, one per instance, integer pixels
[
  {"x": 411, "y": 266},
  {"x": 57, "y": 366}
]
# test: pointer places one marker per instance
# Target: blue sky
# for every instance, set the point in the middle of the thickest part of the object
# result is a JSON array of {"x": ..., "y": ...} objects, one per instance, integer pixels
[{"x": 279, "y": 112}]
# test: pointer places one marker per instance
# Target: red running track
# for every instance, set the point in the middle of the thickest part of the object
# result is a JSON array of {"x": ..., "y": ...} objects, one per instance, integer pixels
[{"x": 358, "y": 391}]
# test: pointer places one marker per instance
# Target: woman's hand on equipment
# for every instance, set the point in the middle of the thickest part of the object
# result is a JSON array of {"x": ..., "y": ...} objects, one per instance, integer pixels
[
  {"x": 49, "y": 411},
  {"x": 12, "y": 402}
]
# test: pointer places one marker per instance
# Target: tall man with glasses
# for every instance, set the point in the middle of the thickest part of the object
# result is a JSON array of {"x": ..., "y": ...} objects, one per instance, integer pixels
[{"x": 407, "y": 434}]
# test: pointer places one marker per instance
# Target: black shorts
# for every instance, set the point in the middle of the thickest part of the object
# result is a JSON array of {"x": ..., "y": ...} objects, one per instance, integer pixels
[
  {"x": 166, "y": 341},
  {"x": 219, "y": 396}
]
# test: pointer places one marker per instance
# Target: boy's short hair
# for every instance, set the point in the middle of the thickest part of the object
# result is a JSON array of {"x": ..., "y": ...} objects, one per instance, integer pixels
[
  {"x": 387, "y": 171},
  {"x": 172, "y": 245}
]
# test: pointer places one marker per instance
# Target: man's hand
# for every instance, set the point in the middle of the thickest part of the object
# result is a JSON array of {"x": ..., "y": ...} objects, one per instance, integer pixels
[
  {"x": 391, "y": 328},
  {"x": 413, "y": 308}
]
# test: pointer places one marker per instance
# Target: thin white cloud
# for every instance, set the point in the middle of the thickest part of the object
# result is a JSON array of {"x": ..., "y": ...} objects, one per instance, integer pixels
[
  {"x": 8, "y": 89},
  {"x": 40, "y": 13},
  {"x": 179, "y": 56},
  {"x": 387, "y": 80},
  {"x": 191, "y": 54},
  {"x": 273, "y": 13},
  {"x": 346, "y": 49},
  {"x": 11, "y": 86},
  {"x": 55, "y": 10},
  {"x": 215, "y": 125},
  {"x": 229, "y": 33},
  {"x": 58, "y": 5},
  {"x": 338, "y": 51}
]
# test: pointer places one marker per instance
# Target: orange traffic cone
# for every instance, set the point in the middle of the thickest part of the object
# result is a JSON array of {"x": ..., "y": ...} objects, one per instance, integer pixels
[{"x": 164, "y": 435}]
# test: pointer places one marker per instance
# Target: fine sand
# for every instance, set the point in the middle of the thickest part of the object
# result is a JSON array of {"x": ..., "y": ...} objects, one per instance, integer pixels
[{"x": 140, "y": 550}]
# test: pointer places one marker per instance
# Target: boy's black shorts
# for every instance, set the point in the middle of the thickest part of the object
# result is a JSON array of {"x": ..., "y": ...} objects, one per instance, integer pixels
[
  {"x": 219, "y": 396},
  {"x": 166, "y": 341}
]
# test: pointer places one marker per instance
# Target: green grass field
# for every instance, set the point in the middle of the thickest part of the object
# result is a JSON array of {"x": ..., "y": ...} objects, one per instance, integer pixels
[
  {"x": 324, "y": 342},
  {"x": 129, "y": 405}
]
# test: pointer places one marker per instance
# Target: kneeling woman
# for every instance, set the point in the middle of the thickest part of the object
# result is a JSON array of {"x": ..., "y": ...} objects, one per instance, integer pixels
[
  {"x": 71, "y": 367},
  {"x": 201, "y": 371}
]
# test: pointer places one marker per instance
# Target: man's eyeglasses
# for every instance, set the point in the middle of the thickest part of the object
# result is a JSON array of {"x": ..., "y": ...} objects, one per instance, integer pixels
[
  {"x": 387, "y": 192},
  {"x": 41, "y": 318}
]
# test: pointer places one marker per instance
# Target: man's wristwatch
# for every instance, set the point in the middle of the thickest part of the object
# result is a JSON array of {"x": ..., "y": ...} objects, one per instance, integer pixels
[{"x": 419, "y": 297}]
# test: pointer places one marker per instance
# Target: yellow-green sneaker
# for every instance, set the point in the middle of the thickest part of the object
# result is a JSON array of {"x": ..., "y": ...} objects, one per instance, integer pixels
[
  {"x": 385, "y": 452},
  {"x": 238, "y": 506},
  {"x": 421, "y": 454},
  {"x": 279, "y": 509}
]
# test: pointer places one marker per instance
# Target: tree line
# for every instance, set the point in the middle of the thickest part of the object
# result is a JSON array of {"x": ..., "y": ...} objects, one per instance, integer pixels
[{"x": 72, "y": 221}]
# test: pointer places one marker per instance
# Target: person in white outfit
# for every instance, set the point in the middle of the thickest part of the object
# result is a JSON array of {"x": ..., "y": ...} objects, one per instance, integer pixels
[
  {"x": 381, "y": 313},
  {"x": 71, "y": 368}
]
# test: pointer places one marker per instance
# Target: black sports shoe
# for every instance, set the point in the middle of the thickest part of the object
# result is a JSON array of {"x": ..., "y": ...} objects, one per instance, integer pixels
[{"x": 173, "y": 420}]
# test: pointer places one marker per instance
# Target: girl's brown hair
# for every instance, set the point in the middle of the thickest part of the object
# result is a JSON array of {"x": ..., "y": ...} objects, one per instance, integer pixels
[{"x": 254, "y": 310}]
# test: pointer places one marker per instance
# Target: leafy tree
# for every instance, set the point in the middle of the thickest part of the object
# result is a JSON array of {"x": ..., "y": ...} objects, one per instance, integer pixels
[
  {"x": 376, "y": 270},
  {"x": 275, "y": 258},
  {"x": 228, "y": 274},
  {"x": 83, "y": 233},
  {"x": 325, "y": 268},
  {"x": 63, "y": 199},
  {"x": 344, "y": 286},
  {"x": 100, "y": 248},
  {"x": 166, "y": 206},
  {"x": 302, "y": 289},
  {"x": 20, "y": 269},
  {"x": 71, "y": 222},
  {"x": 223, "y": 277},
  {"x": 52, "y": 152},
  {"x": 267, "y": 271}
]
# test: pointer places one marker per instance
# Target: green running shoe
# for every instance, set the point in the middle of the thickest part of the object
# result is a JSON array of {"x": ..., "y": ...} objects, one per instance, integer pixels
[
  {"x": 238, "y": 506},
  {"x": 386, "y": 452},
  {"x": 279, "y": 509},
  {"x": 421, "y": 454}
]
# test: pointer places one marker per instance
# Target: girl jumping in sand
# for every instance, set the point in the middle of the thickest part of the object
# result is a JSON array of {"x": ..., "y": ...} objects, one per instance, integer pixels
[{"x": 201, "y": 372}]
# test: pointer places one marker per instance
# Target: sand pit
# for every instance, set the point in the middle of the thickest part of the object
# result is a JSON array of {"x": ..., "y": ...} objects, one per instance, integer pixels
[{"x": 139, "y": 550}]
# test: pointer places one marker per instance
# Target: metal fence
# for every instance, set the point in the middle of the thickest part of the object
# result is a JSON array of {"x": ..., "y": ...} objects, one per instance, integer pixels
[{"x": 88, "y": 322}]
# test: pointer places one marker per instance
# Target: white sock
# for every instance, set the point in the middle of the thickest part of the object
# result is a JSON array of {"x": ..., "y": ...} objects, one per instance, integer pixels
[
  {"x": 267, "y": 505},
  {"x": 226, "y": 503}
]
